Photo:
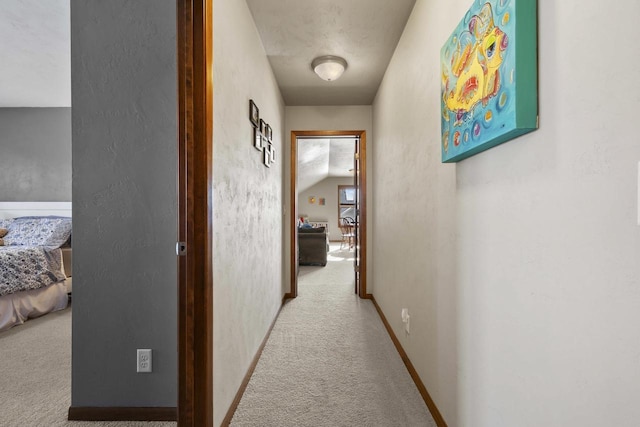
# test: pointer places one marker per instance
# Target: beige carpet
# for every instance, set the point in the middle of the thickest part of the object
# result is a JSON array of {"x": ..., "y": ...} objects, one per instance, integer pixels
[
  {"x": 330, "y": 362},
  {"x": 35, "y": 375}
]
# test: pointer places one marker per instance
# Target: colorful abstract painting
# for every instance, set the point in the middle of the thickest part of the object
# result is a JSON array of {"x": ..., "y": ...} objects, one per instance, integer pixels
[{"x": 489, "y": 91}]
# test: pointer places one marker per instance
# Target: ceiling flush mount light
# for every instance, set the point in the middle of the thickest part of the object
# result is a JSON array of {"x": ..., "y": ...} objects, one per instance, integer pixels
[{"x": 329, "y": 67}]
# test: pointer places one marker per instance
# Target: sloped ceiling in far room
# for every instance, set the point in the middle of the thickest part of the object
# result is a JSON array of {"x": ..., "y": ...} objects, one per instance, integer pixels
[{"x": 323, "y": 158}]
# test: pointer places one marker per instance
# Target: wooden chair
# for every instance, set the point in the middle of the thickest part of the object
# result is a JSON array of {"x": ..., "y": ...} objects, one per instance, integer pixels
[{"x": 347, "y": 231}]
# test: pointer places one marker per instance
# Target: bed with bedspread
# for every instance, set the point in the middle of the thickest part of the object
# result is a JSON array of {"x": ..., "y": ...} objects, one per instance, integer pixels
[{"x": 33, "y": 281}]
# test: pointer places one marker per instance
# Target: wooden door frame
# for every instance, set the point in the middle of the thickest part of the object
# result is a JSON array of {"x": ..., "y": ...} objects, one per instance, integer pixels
[
  {"x": 293, "y": 226},
  {"x": 195, "y": 177}
]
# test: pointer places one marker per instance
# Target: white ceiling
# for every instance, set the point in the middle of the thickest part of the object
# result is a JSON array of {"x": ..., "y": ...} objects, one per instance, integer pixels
[
  {"x": 35, "y": 47},
  {"x": 36, "y": 58},
  {"x": 364, "y": 32}
]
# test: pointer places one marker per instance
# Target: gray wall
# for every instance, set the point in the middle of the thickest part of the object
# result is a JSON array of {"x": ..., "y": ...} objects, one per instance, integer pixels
[
  {"x": 35, "y": 150},
  {"x": 124, "y": 201}
]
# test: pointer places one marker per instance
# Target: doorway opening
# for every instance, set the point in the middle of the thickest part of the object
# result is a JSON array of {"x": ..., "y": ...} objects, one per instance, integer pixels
[{"x": 360, "y": 211}]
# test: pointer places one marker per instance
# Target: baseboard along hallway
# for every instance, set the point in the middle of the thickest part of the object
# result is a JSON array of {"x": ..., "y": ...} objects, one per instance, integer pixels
[{"x": 330, "y": 362}]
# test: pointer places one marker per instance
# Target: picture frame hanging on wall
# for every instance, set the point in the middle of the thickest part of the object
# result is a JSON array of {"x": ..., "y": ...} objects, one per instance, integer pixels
[
  {"x": 254, "y": 113},
  {"x": 266, "y": 157},
  {"x": 257, "y": 139},
  {"x": 489, "y": 78},
  {"x": 272, "y": 152}
]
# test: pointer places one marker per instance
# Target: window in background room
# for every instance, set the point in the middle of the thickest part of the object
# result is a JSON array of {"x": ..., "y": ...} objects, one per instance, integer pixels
[{"x": 346, "y": 202}]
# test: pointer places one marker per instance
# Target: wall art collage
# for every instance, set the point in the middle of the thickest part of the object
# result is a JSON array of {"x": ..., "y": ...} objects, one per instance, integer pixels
[{"x": 262, "y": 135}]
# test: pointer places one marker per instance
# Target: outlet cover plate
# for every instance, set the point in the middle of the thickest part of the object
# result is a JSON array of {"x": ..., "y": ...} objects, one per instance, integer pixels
[{"x": 144, "y": 360}]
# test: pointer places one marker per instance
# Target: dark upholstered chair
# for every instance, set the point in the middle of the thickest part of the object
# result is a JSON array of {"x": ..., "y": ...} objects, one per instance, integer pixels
[{"x": 312, "y": 246}]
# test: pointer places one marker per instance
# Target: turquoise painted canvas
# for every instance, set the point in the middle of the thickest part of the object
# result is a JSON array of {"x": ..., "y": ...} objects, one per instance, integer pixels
[{"x": 489, "y": 91}]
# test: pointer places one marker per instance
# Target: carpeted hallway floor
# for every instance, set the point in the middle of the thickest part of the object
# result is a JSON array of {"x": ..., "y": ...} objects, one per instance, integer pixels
[{"x": 330, "y": 362}]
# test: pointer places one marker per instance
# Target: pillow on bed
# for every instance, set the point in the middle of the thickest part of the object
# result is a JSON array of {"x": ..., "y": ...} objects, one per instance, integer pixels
[
  {"x": 39, "y": 231},
  {"x": 3, "y": 232}
]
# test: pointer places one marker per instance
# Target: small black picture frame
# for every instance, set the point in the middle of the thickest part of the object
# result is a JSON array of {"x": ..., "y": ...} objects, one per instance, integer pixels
[
  {"x": 269, "y": 132},
  {"x": 254, "y": 113},
  {"x": 272, "y": 153},
  {"x": 263, "y": 127},
  {"x": 257, "y": 139}
]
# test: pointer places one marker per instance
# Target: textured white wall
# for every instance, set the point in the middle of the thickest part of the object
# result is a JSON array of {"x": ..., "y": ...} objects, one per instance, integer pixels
[
  {"x": 520, "y": 264},
  {"x": 353, "y": 117},
  {"x": 247, "y": 201},
  {"x": 327, "y": 188},
  {"x": 414, "y": 201}
]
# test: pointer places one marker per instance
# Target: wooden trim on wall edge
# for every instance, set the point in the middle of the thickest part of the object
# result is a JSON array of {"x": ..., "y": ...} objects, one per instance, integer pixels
[
  {"x": 90, "y": 413},
  {"x": 243, "y": 386},
  {"x": 435, "y": 413},
  {"x": 293, "y": 256},
  {"x": 362, "y": 235},
  {"x": 294, "y": 203},
  {"x": 195, "y": 182},
  {"x": 287, "y": 296}
]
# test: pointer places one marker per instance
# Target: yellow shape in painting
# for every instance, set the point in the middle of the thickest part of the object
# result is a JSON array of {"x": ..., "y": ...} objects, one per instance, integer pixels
[
  {"x": 477, "y": 68},
  {"x": 502, "y": 100},
  {"x": 505, "y": 18},
  {"x": 460, "y": 60},
  {"x": 480, "y": 78}
]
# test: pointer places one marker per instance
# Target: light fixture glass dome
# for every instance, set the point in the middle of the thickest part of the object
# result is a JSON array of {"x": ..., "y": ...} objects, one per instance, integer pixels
[{"x": 329, "y": 67}]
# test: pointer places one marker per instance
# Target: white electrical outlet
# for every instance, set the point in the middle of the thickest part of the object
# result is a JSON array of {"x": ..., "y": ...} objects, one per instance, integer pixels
[
  {"x": 405, "y": 314},
  {"x": 144, "y": 360},
  {"x": 405, "y": 319}
]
